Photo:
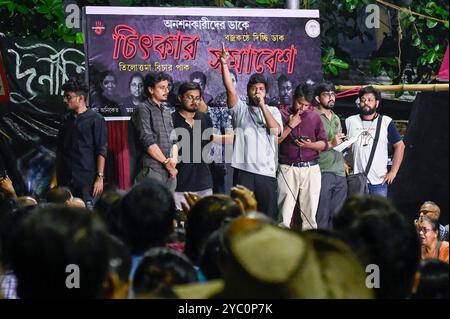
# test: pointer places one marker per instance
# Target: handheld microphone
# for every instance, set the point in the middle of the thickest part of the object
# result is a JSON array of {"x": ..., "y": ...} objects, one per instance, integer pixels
[{"x": 258, "y": 99}]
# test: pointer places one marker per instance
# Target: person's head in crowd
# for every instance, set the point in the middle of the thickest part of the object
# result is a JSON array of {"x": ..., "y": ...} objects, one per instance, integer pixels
[
  {"x": 108, "y": 85},
  {"x": 205, "y": 217},
  {"x": 136, "y": 87},
  {"x": 159, "y": 270},
  {"x": 257, "y": 262},
  {"x": 325, "y": 95},
  {"x": 75, "y": 94},
  {"x": 257, "y": 88},
  {"x": 158, "y": 86},
  {"x": 369, "y": 100},
  {"x": 9, "y": 222},
  {"x": 59, "y": 195},
  {"x": 209, "y": 258},
  {"x": 432, "y": 280},
  {"x": 430, "y": 209},
  {"x": 380, "y": 235},
  {"x": 432, "y": 247},
  {"x": 285, "y": 90},
  {"x": 428, "y": 231},
  {"x": 341, "y": 270},
  {"x": 190, "y": 95},
  {"x": 117, "y": 284},
  {"x": 199, "y": 78},
  {"x": 144, "y": 217},
  {"x": 57, "y": 248},
  {"x": 103, "y": 205},
  {"x": 303, "y": 97}
]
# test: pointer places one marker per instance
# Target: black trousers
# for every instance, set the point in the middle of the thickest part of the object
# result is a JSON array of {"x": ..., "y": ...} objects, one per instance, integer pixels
[
  {"x": 333, "y": 194},
  {"x": 222, "y": 176},
  {"x": 265, "y": 189}
]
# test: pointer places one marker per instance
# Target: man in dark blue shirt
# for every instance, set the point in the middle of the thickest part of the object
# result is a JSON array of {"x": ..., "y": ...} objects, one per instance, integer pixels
[{"x": 82, "y": 145}]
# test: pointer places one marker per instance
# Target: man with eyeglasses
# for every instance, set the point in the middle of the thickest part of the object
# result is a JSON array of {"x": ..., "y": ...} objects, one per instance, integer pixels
[
  {"x": 154, "y": 132},
  {"x": 432, "y": 211},
  {"x": 194, "y": 131},
  {"x": 333, "y": 190},
  {"x": 82, "y": 146},
  {"x": 363, "y": 127}
]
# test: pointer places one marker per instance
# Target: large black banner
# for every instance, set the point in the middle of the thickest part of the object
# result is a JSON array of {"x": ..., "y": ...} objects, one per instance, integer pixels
[
  {"x": 35, "y": 70},
  {"x": 122, "y": 44}
]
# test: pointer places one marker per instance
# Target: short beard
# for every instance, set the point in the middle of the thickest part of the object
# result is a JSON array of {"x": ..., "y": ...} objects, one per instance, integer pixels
[
  {"x": 370, "y": 112},
  {"x": 188, "y": 110},
  {"x": 328, "y": 107}
]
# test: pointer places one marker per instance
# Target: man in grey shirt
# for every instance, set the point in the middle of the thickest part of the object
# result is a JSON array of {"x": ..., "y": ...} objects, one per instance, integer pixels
[
  {"x": 257, "y": 127},
  {"x": 153, "y": 124}
]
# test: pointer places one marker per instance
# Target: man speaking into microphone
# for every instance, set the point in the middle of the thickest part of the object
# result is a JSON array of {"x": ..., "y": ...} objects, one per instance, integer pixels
[{"x": 257, "y": 127}]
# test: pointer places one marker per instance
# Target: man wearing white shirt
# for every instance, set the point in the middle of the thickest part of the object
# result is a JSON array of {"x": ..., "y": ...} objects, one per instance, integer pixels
[{"x": 363, "y": 128}]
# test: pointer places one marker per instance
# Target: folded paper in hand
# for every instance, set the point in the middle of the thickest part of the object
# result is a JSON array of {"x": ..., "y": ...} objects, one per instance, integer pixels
[{"x": 346, "y": 144}]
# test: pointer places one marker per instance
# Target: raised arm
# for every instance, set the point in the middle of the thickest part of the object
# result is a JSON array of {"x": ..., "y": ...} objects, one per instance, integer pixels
[{"x": 232, "y": 96}]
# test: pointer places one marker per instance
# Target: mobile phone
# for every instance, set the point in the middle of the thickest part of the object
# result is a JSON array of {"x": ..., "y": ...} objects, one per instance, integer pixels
[{"x": 303, "y": 138}]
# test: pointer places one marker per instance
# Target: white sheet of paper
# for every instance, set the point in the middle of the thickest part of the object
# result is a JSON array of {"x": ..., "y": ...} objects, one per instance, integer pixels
[{"x": 346, "y": 144}]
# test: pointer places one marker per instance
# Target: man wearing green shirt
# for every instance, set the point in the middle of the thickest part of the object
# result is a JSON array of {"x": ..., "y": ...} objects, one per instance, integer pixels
[{"x": 334, "y": 183}]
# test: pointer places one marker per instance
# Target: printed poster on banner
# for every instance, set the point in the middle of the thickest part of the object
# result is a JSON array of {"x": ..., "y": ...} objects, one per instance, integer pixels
[{"x": 122, "y": 45}]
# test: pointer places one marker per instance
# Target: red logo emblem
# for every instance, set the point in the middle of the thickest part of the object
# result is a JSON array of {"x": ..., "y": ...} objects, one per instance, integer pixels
[{"x": 99, "y": 28}]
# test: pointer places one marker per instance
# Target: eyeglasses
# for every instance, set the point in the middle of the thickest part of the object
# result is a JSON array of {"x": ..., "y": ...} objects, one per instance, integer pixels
[
  {"x": 328, "y": 94},
  {"x": 424, "y": 211},
  {"x": 69, "y": 97},
  {"x": 193, "y": 98},
  {"x": 362, "y": 101},
  {"x": 162, "y": 88},
  {"x": 424, "y": 230}
]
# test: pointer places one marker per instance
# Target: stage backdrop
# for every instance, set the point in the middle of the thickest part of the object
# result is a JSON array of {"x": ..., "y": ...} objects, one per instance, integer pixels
[{"x": 121, "y": 43}]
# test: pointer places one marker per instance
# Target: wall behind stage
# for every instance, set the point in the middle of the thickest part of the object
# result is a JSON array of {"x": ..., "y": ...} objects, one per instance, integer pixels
[{"x": 424, "y": 174}]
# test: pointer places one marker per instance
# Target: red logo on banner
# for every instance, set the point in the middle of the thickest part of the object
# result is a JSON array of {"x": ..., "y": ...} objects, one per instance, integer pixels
[
  {"x": 99, "y": 28},
  {"x": 4, "y": 92}
]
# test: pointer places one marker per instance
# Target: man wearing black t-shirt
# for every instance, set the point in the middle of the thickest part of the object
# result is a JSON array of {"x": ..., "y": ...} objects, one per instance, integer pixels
[
  {"x": 82, "y": 146},
  {"x": 195, "y": 134}
]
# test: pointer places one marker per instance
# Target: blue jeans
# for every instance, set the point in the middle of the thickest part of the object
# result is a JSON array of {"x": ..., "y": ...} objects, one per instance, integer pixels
[{"x": 380, "y": 189}]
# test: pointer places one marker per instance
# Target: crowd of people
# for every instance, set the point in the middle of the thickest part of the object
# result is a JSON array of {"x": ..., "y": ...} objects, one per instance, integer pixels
[
  {"x": 136, "y": 244},
  {"x": 289, "y": 228}
]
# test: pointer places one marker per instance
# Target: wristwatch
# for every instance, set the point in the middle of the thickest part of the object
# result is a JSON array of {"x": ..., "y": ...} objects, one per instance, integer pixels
[{"x": 100, "y": 174}]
